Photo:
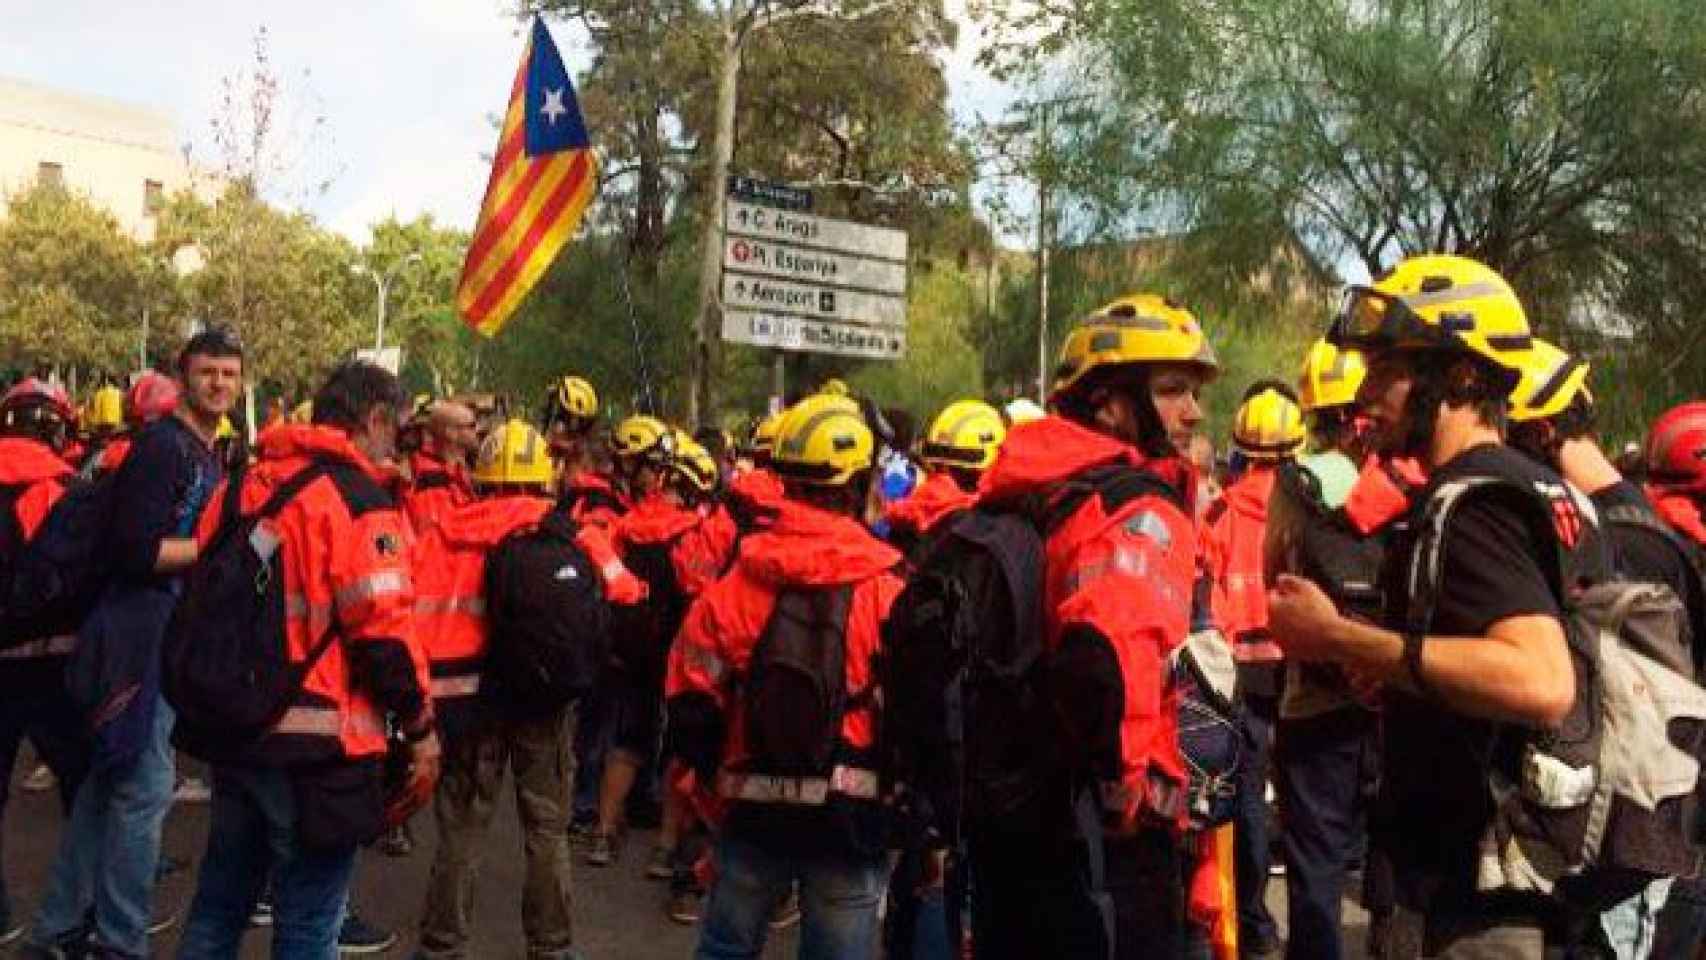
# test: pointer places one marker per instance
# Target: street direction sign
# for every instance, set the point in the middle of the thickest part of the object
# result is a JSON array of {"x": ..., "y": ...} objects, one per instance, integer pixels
[
  {"x": 769, "y": 193},
  {"x": 795, "y": 281},
  {"x": 814, "y": 336},
  {"x": 823, "y": 233},
  {"x": 783, "y": 261},
  {"x": 810, "y": 301}
]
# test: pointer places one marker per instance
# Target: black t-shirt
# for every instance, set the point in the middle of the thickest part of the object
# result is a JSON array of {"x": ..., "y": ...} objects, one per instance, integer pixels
[
  {"x": 1645, "y": 555},
  {"x": 160, "y": 491},
  {"x": 1498, "y": 562}
]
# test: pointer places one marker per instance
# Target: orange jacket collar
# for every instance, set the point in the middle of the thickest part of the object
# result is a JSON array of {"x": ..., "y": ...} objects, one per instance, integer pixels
[
  {"x": 23, "y": 460},
  {"x": 657, "y": 519},
  {"x": 1037, "y": 455},
  {"x": 809, "y": 547},
  {"x": 937, "y": 497},
  {"x": 1680, "y": 511},
  {"x": 296, "y": 441}
]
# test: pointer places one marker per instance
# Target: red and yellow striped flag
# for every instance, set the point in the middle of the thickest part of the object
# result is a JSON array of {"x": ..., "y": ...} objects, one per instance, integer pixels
[{"x": 543, "y": 176}]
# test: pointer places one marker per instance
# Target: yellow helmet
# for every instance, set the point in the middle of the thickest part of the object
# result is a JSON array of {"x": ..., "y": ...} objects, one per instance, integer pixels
[
  {"x": 823, "y": 440},
  {"x": 105, "y": 409},
  {"x": 514, "y": 453},
  {"x": 1550, "y": 381},
  {"x": 1331, "y": 377},
  {"x": 764, "y": 434},
  {"x": 967, "y": 435},
  {"x": 1269, "y": 424},
  {"x": 226, "y": 429},
  {"x": 574, "y": 398},
  {"x": 1438, "y": 301},
  {"x": 835, "y": 387},
  {"x": 694, "y": 464},
  {"x": 642, "y": 436},
  {"x": 1141, "y": 328}
]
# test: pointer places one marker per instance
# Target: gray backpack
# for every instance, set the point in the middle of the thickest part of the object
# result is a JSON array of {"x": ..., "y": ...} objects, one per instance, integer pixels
[{"x": 1614, "y": 794}]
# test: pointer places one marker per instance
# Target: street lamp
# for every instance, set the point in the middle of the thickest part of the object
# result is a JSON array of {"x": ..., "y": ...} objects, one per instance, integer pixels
[{"x": 382, "y": 284}]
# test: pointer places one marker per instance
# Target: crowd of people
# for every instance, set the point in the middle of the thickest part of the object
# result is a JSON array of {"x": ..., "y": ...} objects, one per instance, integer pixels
[{"x": 1032, "y": 683}]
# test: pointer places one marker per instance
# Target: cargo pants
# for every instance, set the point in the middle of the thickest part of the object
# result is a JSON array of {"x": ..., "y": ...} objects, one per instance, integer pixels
[{"x": 540, "y": 752}]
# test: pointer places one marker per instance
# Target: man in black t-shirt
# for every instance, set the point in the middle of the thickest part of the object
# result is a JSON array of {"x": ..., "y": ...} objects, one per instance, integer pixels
[
  {"x": 1552, "y": 417},
  {"x": 1443, "y": 336}
]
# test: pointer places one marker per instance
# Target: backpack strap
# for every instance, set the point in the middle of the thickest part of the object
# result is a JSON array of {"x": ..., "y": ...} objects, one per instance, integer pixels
[
  {"x": 1628, "y": 515},
  {"x": 1116, "y": 484},
  {"x": 1427, "y": 559},
  {"x": 436, "y": 480}
]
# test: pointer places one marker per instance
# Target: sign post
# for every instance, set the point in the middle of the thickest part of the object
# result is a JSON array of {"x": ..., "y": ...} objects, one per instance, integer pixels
[{"x": 796, "y": 281}]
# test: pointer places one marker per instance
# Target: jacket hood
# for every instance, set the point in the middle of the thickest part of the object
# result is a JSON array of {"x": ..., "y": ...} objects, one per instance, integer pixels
[
  {"x": 1382, "y": 492},
  {"x": 23, "y": 460},
  {"x": 1680, "y": 511},
  {"x": 298, "y": 441},
  {"x": 483, "y": 523},
  {"x": 589, "y": 480},
  {"x": 808, "y": 547},
  {"x": 937, "y": 497},
  {"x": 1248, "y": 495},
  {"x": 1038, "y": 455},
  {"x": 656, "y": 519}
]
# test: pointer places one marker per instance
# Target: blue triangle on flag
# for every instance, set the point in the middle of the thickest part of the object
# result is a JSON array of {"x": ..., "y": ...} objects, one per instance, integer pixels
[{"x": 553, "y": 115}]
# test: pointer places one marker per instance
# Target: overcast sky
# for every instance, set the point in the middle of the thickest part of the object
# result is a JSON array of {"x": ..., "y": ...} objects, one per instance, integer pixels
[{"x": 407, "y": 86}]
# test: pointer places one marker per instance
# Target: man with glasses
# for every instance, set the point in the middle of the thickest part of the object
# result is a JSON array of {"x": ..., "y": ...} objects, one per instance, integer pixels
[{"x": 1444, "y": 336}]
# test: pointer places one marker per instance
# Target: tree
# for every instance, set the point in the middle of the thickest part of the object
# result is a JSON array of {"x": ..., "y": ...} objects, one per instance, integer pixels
[
  {"x": 74, "y": 285},
  {"x": 1563, "y": 144},
  {"x": 438, "y": 349}
]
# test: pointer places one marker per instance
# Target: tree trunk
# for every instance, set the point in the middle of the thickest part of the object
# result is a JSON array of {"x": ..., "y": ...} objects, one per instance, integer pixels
[{"x": 707, "y": 337}]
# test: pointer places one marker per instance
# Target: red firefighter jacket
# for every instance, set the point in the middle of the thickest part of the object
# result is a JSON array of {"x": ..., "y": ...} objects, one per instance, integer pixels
[
  {"x": 1680, "y": 511},
  {"x": 38, "y": 476},
  {"x": 1123, "y": 582},
  {"x": 346, "y": 559},
  {"x": 1233, "y": 532},
  {"x": 804, "y": 547},
  {"x": 435, "y": 487},
  {"x": 934, "y": 499},
  {"x": 450, "y": 570},
  {"x": 592, "y": 500}
]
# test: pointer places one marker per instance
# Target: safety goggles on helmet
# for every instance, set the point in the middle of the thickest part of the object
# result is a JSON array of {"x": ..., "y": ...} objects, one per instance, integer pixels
[{"x": 1370, "y": 319}]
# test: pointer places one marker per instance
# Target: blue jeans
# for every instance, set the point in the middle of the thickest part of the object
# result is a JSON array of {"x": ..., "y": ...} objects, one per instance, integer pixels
[
  {"x": 1318, "y": 774},
  {"x": 253, "y": 837},
  {"x": 1251, "y": 855},
  {"x": 109, "y": 849},
  {"x": 838, "y": 902}
]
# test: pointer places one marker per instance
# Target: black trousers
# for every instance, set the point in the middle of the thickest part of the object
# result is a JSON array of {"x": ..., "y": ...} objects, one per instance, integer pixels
[{"x": 1319, "y": 774}]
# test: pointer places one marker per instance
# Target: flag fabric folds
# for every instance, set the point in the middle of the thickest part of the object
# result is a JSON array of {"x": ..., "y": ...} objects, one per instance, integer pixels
[{"x": 543, "y": 176}]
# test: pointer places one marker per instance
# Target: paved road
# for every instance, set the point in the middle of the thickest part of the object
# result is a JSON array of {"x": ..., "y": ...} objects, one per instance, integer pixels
[{"x": 618, "y": 913}]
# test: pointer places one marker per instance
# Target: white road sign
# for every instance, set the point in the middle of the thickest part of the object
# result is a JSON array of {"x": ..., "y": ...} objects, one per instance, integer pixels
[
  {"x": 742, "y": 291},
  {"x": 805, "y": 265},
  {"x": 803, "y": 229},
  {"x": 815, "y": 336}
]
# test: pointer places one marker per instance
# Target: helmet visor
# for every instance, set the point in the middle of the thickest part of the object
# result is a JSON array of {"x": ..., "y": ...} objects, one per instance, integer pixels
[{"x": 1371, "y": 320}]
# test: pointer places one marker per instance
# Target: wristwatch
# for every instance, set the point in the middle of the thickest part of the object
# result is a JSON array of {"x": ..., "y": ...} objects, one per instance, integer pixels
[{"x": 1413, "y": 641}]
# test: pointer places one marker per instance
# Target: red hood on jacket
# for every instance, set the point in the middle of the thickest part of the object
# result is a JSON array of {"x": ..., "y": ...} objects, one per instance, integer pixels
[
  {"x": 937, "y": 497},
  {"x": 480, "y": 525},
  {"x": 23, "y": 460},
  {"x": 300, "y": 441},
  {"x": 592, "y": 480},
  {"x": 1038, "y": 455},
  {"x": 656, "y": 519},
  {"x": 1680, "y": 511},
  {"x": 809, "y": 547},
  {"x": 758, "y": 486},
  {"x": 1382, "y": 491},
  {"x": 1249, "y": 494}
]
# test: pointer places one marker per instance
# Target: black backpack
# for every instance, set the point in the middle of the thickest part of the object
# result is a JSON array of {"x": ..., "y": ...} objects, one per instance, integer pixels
[
  {"x": 53, "y": 579},
  {"x": 642, "y": 633},
  {"x": 548, "y": 625},
  {"x": 1612, "y": 797},
  {"x": 966, "y": 726},
  {"x": 795, "y": 690},
  {"x": 226, "y": 668}
]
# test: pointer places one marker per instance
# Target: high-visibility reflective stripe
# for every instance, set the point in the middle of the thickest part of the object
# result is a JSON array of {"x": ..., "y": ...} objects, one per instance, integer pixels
[
  {"x": 297, "y": 607},
  {"x": 454, "y": 686},
  {"x": 1131, "y": 562},
  {"x": 45, "y": 647},
  {"x": 613, "y": 571},
  {"x": 430, "y": 606},
  {"x": 327, "y": 722},
  {"x": 708, "y": 663},
  {"x": 380, "y": 584},
  {"x": 853, "y": 782}
]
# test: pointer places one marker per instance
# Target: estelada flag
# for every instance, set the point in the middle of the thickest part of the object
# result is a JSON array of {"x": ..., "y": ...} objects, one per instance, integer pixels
[{"x": 543, "y": 176}]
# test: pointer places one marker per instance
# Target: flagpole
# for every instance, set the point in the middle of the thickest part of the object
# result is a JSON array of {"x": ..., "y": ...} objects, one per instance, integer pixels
[{"x": 647, "y": 399}]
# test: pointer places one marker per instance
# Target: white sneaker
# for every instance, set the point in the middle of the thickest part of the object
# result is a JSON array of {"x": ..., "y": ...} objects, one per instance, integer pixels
[{"x": 192, "y": 790}]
